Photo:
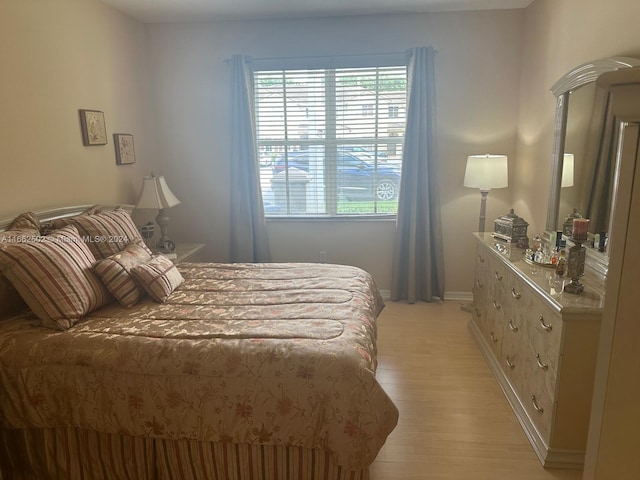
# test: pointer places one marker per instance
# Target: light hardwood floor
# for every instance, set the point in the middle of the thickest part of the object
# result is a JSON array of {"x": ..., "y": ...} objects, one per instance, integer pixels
[{"x": 455, "y": 423}]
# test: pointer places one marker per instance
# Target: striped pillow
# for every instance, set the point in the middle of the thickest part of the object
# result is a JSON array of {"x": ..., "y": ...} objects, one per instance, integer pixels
[
  {"x": 54, "y": 277},
  {"x": 107, "y": 233},
  {"x": 159, "y": 277},
  {"x": 114, "y": 272},
  {"x": 10, "y": 300}
]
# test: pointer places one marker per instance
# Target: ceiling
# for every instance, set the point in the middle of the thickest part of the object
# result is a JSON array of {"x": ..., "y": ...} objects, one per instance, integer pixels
[{"x": 156, "y": 11}]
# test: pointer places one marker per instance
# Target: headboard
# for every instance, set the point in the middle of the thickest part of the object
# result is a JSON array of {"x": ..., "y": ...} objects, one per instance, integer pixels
[
  {"x": 10, "y": 301},
  {"x": 62, "y": 212}
]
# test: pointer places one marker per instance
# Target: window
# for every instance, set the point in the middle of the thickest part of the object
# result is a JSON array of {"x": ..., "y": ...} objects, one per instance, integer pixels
[
  {"x": 334, "y": 148},
  {"x": 394, "y": 111}
]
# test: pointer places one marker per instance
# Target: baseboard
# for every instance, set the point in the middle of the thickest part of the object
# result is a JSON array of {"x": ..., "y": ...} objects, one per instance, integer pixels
[
  {"x": 459, "y": 296},
  {"x": 386, "y": 294},
  {"x": 466, "y": 297}
]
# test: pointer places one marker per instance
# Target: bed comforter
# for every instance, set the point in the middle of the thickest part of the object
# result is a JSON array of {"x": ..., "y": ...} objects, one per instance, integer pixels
[{"x": 274, "y": 354}]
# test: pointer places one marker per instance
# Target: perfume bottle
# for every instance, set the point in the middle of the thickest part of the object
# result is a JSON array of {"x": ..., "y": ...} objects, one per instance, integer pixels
[
  {"x": 561, "y": 264},
  {"x": 537, "y": 243},
  {"x": 561, "y": 268}
]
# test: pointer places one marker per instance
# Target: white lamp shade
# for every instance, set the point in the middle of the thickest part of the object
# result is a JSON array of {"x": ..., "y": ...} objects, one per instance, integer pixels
[
  {"x": 486, "y": 172},
  {"x": 156, "y": 194},
  {"x": 567, "y": 170}
]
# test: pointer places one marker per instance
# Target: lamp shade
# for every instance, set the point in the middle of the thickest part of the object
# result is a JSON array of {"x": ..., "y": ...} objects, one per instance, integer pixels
[
  {"x": 156, "y": 194},
  {"x": 486, "y": 172},
  {"x": 567, "y": 170}
]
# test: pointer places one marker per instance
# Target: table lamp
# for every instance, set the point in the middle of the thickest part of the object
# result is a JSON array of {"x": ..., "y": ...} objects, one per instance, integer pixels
[
  {"x": 567, "y": 170},
  {"x": 156, "y": 194},
  {"x": 486, "y": 172}
]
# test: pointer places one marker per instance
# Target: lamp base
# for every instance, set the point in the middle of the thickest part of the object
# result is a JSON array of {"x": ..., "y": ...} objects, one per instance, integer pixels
[
  {"x": 164, "y": 244},
  {"x": 483, "y": 209}
]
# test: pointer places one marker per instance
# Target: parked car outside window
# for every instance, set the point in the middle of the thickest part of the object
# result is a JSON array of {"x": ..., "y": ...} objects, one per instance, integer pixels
[{"x": 357, "y": 179}]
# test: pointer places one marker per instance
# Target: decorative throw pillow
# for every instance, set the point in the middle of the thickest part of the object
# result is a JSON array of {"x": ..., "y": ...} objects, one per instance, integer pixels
[
  {"x": 114, "y": 272},
  {"x": 22, "y": 230},
  {"x": 107, "y": 233},
  {"x": 54, "y": 277},
  {"x": 159, "y": 277}
]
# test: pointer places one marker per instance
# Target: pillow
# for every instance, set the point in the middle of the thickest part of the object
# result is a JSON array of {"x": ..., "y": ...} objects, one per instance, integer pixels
[
  {"x": 159, "y": 277},
  {"x": 114, "y": 273},
  {"x": 24, "y": 228},
  {"x": 54, "y": 277},
  {"x": 107, "y": 233},
  {"x": 53, "y": 225},
  {"x": 25, "y": 221}
]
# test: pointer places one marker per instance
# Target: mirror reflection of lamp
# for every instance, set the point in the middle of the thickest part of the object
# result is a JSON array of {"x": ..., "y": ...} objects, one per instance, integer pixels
[
  {"x": 486, "y": 172},
  {"x": 155, "y": 194},
  {"x": 567, "y": 170}
]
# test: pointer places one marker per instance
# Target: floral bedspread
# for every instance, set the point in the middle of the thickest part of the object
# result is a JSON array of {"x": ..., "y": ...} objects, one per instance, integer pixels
[{"x": 280, "y": 354}]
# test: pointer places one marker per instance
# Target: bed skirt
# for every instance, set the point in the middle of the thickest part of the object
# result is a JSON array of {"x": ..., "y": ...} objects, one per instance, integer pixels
[{"x": 70, "y": 454}]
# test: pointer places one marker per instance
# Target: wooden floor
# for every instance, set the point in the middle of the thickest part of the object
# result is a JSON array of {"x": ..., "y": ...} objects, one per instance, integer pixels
[{"x": 455, "y": 423}]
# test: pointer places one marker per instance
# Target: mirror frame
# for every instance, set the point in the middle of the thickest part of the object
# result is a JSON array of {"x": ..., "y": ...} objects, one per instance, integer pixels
[{"x": 577, "y": 77}]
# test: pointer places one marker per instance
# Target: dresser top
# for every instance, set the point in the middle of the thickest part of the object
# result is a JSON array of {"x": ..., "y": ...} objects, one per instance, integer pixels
[{"x": 541, "y": 279}]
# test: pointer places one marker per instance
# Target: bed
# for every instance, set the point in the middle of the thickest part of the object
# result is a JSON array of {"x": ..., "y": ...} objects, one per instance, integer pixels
[{"x": 242, "y": 371}]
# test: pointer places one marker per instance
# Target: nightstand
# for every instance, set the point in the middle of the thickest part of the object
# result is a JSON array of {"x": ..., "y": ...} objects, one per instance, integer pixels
[{"x": 188, "y": 252}]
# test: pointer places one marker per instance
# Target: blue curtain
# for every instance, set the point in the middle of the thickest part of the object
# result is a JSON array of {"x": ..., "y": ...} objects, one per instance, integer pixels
[
  {"x": 418, "y": 261},
  {"x": 249, "y": 242}
]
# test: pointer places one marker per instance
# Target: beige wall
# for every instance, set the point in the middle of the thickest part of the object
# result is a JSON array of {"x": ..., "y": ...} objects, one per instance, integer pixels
[
  {"x": 478, "y": 63},
  {"x": 58, "y": 57},
  {"x": 558, "y": 36},
  {"x": 494, "y": 70}
]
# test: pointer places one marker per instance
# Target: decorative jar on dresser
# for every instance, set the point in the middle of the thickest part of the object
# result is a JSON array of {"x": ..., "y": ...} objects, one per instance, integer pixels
[{"x": 541, "y": 345}]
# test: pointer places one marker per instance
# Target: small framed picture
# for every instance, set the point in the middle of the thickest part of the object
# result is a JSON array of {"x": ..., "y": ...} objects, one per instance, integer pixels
[
  {"x": 94, "y": 131},
  {"x": 125, "y": 153}
]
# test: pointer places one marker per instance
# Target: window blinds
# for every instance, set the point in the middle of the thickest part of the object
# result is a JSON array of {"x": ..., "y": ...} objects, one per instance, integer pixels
[{"x": 330, "y": 140}]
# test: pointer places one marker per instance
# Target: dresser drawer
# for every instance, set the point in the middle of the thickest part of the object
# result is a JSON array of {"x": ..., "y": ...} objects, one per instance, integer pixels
[
  {"x": 538, "y": 321},
  {"x": 489, "y": 322},
  {"x": 539, "y": 407},
  {"x": 539, "y": 386}
]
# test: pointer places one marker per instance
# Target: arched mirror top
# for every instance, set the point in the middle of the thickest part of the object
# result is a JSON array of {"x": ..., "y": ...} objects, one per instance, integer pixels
[
  {"x": 585, "y": 136},
  {"x": 589, "y": 73}
]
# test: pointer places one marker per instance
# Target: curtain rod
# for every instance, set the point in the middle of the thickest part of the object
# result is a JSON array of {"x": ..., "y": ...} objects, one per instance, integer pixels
[{"x": 341, "y": 55}]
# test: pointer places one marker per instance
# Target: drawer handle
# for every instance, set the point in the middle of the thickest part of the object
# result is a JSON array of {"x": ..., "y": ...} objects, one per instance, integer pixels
[
  {"x": 494, "y": 339},
  {"x": 509, "y": 364},
  {"x": 535, "y": 404},
  {"x": 514, "y": 328},
  {"x": 543, "y": 366},
  {"x": 546, "y": 326},
  {"x": 515, "y": 294},
  {"x": 496, "y": 305},
  {"x": 498, "y": 276},
  {"x": 481, "y": 258},
  {"x": 479, "y": 284}
]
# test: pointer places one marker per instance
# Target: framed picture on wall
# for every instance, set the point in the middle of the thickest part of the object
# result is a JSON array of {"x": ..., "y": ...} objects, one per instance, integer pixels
[
  {"x": 125, "y": 153},
  {"x": 94, "y": 131}
]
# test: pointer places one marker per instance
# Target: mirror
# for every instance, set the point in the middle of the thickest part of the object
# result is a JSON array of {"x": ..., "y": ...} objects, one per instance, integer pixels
[{"x": 584, "y": 154}]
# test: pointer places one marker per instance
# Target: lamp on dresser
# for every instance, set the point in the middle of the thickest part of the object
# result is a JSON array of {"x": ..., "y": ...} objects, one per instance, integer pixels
[
  {"x": 156, "y": 194},
  {"x": 568, "y": 163},
  {"x": 486, "y": 172}
]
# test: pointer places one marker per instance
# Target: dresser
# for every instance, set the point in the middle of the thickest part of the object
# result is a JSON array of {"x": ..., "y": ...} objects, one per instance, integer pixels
[{"x": 541, "y": 345}]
